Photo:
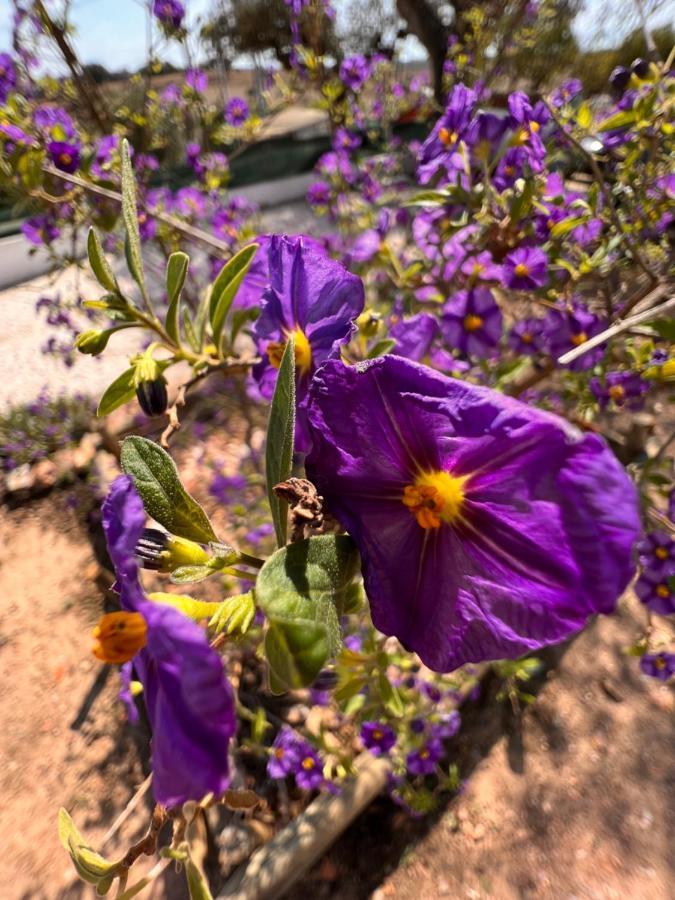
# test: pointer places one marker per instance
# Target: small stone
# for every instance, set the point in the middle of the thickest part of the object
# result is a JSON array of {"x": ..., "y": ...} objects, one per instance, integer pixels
[
  {"x": 442, "y": 887},
  {"x": 19, "y": 479},
  {"x": 44, "y": 474}
]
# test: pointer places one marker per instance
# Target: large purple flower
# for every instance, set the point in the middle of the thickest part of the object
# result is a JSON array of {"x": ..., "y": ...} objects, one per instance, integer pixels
[
  {"x": 472, "y": 322},
  {"x": 187, "y": 696},
  {"x": 486, "y": 528},
  {"x": 313, "y": 298}
]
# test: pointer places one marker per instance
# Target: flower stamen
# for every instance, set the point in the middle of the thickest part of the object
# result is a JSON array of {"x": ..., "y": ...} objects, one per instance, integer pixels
[
  {"x": 119, "y": 636},
  {"x": 434, "y": 498}
]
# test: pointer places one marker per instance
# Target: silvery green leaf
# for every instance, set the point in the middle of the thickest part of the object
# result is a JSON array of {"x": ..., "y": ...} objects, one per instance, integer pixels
[
  {"x": 280, "y": 437},
  {"x": 130, "y": 216},
  {"x": 226, "y": 286},
  {"x": 164, "y": 497},
  {"x": 99, "y": 264},
  {"x": 176, "y": 272}
]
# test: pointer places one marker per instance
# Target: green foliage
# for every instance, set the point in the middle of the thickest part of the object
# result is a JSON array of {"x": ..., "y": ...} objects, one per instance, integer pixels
[
  {"x": 130, "y": 216},
  {"x": 176, "y": 272},
  {"x": 280, "y": 436},
  {"x": 164, "y": 497},
  {"x": 226, "y": 286},
  {"x": 89, "y": 865},
  {"x": 301, "y": 590}
]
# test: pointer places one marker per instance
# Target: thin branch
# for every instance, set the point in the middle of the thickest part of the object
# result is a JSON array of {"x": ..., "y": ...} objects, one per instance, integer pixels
[
  {"x": 126, "y": 812},
  {"x": 147, "y": 844},
  {"x": 606, "y": 193},
  {"x": 190, "y": 231},
  {"x": 646, "y": 316}
]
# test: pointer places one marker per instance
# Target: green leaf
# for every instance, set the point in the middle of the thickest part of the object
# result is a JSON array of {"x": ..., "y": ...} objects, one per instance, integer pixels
[
  {"x": 280, "y": 436},
  {"x": 381, "y": 348},
  {"x": 130, "y": 216},
  {"x": 391, "y": 696},
  {"x": 176, "y": 271},
  {"x": 191, "y": 574},
  {"x": 665, "y": 328},
  {"x": 301, "y": 590},
  {"x": 193, "y": 341},
  {"x": 90, "y": 865},
  {"x": 99, "y": 264},
  {"x": 226, "y": 286},
  {"x": 164, "y": 497},
  {"x": 618, "y": 120},
  {"x": 566, "y": 225},
  {"x": 234, "y": 614},
  {"x": 121, "y": 391},
  {"x": 198, "y": 887}
]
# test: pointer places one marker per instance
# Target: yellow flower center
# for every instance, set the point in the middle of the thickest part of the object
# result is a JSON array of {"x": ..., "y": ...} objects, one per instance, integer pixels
[
  {"x": 308, "y": 763},
  {"x": 303, "y": 351},
  {"x": 663, "y": 591},
  {"x": 65, "y": 159},
  {"x": 617, "y": 393},
  {"x": 377, "y": 734},
  {"x": 521, "y": 270},
  {"x": 279, "y": 753},
  {"x": 435, "y": 497},
  {"x": 535, "y": 126},
  {"x": 661, "y": 553},
  {"x": 424, "y": 754},
  {"x": 526, "y": 337},
  {"x": 660, "y": 662},
  {"x": 119, "y": 636},
  {"x": 472, "y": 323},
  {"x": 578, "y": 339},
  {"x": 447, "y": 137}
]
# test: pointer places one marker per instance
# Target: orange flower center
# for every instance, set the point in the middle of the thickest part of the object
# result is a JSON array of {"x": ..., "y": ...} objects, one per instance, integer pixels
[
  {"x": 377, "y": 734},
  {"x": 308, "y": 763},
  {"x": 526, "y": 337},
  {"x": 663, "y": 591},
  {"x": 661, "y": 553},
  {"x": 578, "y": 339},
  {"x": 424, "y": 754},
  {"x": 660, "y": 662},
  {"x": 303, "y": 351},
  {"x": 448, "y": 138},
  {"x": 435, "y": 497},
  {"x": 65, "y": 159},
  {"x": 472, "y": 323},
  {"x": 521, "y": 270},
  {"x": 617, "y": 393},
  {"x": 119, "y": 636},
  {"x": 535, "y": 126}
]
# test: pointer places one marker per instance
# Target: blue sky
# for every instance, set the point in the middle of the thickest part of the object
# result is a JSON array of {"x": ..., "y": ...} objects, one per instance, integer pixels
[{"x": 114, "y": 31}]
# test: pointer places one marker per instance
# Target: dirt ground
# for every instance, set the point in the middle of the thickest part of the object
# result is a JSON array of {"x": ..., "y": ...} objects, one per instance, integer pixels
[{"x": 574, "y": 801}]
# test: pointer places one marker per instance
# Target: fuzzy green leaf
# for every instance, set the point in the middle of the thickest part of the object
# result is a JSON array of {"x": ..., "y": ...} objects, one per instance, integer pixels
[
  {"x": 164, "y": 497},
  {"x": 99, "y": 264},
  {"x": 130, "y": 216},
  {"x": 121, "y": 391},
  {"x": 280, "y": 437}
]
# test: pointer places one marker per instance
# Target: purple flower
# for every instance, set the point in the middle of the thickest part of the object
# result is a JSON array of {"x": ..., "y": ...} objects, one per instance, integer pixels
[
  {"x": 40, "y": 230},
  {"x": 319, "y": 193},
  {"x": 311, "y": 297},
  {"x": 481, "y": 267},
  {"x": 527, "y": 123},
  {"x": 626, "y": 390},
  {"x": 658, "y": 665},
  {"x": 284, "y": 755},
  {"x": 655, "y": 590},
  {"x": 526, "y": 269},
  {"x": 223, "y": 487},
  {"x": 377, "y": 737},
  {"x": 197, "y": 80},
  {"x": 571, "y": 326},
  {"x": 423, "y": 761},
  {"x": 440, "y": 150},
  {"x": 187, "y": 696},
  {"x": 447, "y": 725},
  {"x": 237, "y": 111},
  {"x": 414, "y": 335},
  {"x": 527, "y": 336},
  {"x": 656, "y": 553},
  {"x": 309, "y": 769},
  {"x": 7, "y": 76},
  {"x": 472, "y": 322},
  {"x": 15, "y": 135},
  {"x": 354, "y": 71},
  {"x": 125, "y": 694},
  {"x": 169, "y": 13},
  {"x": 64, "y": 155},
  {"x": 343, "y": 139},
  {"x": 486, "y": 528},
  {"x": 566, "y": 92}
]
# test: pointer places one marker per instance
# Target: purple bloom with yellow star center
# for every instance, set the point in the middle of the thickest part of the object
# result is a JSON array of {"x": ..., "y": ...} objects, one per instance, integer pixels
[
  {"x": 423, "y": 761},
  {"x": 64, "y": 155},
  {"x": 525, "y": 269},
  {"x": 486, "y": 528},
  {"x": 657, "y": 553},
  {"x": 658, "y": 665},
  {"x": 377, "y": 737},
  {"x": 311, "y": 297},
  {"x": 187, "y": 696},
  {"x": 472, "y": 322}
]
